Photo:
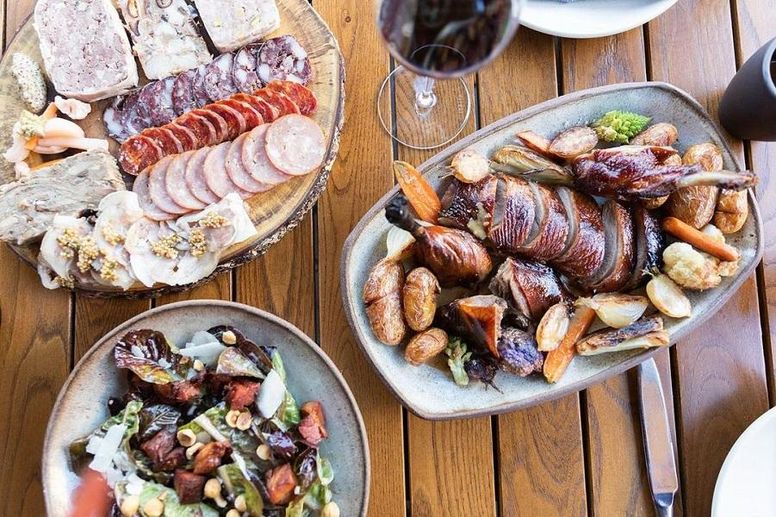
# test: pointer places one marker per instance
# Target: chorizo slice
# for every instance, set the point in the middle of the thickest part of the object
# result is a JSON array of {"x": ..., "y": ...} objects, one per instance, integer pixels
[
  {"x": 183, "y": 99},
  {"x": 301, "y": 95},
  {"x": 283, "y": 103},
  {"x": 216, "y": 177},
  {"x": 237, "y": 171},
  {"x": 218, "y": 81},
  {"x": 185, "y": 136},
  {"x": 295, "y": 145},
  {"x": 256, "y": 161},
  {"x": 166, "y": 140},
  {"x": 176, "y": 186},
  {"x": 244, "y": 74},
  {"x": 138, "y": 153},
  {"x": 151, "y": 211},
  {"x": 235, "y": 121},
  {"x": 195, "y": 177},
  {"x": 267, "y": 111},
  {"x": 252, "y": 117},
  {"x": 209, "y": 128},
  {"x": 157, "y": 188}
]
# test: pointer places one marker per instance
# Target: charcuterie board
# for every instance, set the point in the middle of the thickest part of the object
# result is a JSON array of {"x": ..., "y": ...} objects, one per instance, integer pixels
[{"x": 273, "y": 212}]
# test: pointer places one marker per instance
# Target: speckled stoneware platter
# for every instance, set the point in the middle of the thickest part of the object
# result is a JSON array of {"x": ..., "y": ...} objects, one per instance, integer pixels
[
  {"x": 274, "y": 212},
  {"x": 81, "y": 405},
  {"x": 429, "y": 391}
]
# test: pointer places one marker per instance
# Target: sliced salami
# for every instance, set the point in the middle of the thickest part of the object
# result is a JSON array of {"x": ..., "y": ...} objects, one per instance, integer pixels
[
  {"x": 209, "y": 127},
  {"x": 183, "y": 93},
  {"x": 302, "y": 96},
  {"x": 252, "y": 117},
  {"x": 198, "y": 87},
  {"x": 134, "y": 114},
  {"x": 157, "y": 188},
  {"x": 235, "y": 121},
  {"x": 284, "y": 59},
  {"x": 244, "y": 70},
  {"x": 216, "y": 176},
  {"x": 175, "y": 183},
  {"x": 151, "y": 211},
  {"x": 295, "y": 145},
  {"x": 111, "y": 118},
  {"x": 166, "y": 140},
  {"x": 156, "y": 96},
  {"x": 256, "y": 161},
  {"x": 237, "y": 171},
  {"x": 267, "y": 111},
  {"x": 281, "y": 101},
  {"x": 218, "y": 78},
  {"x": 185, "y": 135},
  {"x": 195, "y": 177},
  {"x": 139, "y": 152}
]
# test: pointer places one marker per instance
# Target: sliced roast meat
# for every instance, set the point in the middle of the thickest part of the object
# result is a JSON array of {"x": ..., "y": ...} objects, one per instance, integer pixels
[
  {"x": 185, "y": 136},
  {"x": 267, "y": 111},
  {"x": 235, "y": 121},
  {"x": 139, "y": 152},
  {"x": 217, "y": 122},
  {"x": 513, "y": 214},
  {"x": 618, "y": 249},
  {"x": 157, "y": 187},
  {"x": 531, "y": 288},
  {"x": 244, "y": 74},
  {"x": 216, "y": 177},
  {"x": 238, "y": 172},
  {"x": 176, "y": 186},
  {"x": 283, "y": 58},
  {"x": 157, "y": 97},
  {"x": 301, "y": 96},
  {"x": 585, "y": 252},
  {"x": 198, "y": 89},
  {"x": 649, "y": 244},
  {"x": 550, "y": 226},
  {"x": 167, "y": 141},
  {"x": 218, "y": 78},
  {"x": 256, "y": 161},
  {"x": 469, "y": 205},
  {"x": 183, "y": 99},
  {"x": 295, "y": 145},
  {"x": 195, "y": 177},
  {"x": 151, "y": 211},
  {"x": 252, "y": 117}
]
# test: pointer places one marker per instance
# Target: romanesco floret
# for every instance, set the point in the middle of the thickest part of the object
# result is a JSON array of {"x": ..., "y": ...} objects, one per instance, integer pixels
[
  {"x": 620, "y": 126},
  {"x": 458, "y": 354}
]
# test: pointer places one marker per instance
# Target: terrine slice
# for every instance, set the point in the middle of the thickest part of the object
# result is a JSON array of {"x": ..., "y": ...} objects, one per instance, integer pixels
[
  {"x": 233, "y": 24},
  {"x": 64, "y": 187},
  {"x": 85, "y": 49},
  {"x": 165, "y": 37}
]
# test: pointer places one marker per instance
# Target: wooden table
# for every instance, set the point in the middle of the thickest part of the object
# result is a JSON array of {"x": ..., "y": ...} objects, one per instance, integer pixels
[{"x": 581, "y": 455}]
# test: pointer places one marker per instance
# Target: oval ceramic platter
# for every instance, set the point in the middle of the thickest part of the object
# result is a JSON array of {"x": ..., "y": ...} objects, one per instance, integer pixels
[
  {"x": 275, "y": 212},
  {"x": 81, "y": 405},
  {"x": 429, "y": 391}
]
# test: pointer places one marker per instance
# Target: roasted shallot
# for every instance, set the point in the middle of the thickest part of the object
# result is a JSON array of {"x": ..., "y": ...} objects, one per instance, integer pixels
[
  {"x": 552, "y": 327},
  {"x": 667, "y": 297},
  {"x": 615, "y": 309}
]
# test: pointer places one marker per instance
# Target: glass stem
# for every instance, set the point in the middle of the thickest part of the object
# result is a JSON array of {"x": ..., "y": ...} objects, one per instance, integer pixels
[{"x": 425, "y": 98}]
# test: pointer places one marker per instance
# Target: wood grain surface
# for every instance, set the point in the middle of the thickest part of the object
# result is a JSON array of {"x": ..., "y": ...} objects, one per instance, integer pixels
[{"x": 581, "y": 455}]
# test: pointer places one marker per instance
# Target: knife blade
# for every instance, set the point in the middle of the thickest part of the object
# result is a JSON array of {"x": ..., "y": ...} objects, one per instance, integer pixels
[{"x": 658, "y": 442}]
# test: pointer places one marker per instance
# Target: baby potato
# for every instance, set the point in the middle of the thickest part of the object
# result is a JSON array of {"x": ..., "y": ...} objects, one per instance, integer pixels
[
  {"x": 695, "y": 205},
  {"x": 382, "y": 297},
  {"x": 732, "y": 210},
  {"x": 419, "y": 297},
  {"x": 707, "y": 155},
  {"x": 426, "y": 345},
  {"x": 663, "y": 134}
]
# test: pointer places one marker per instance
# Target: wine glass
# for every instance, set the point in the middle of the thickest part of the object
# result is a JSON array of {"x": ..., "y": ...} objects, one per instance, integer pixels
[{"x": 437, "y": 39}]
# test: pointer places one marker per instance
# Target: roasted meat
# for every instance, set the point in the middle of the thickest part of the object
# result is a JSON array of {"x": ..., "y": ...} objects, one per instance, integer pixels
[
  {"x": 551, "y": 227},
  {"x": 468, "y": 205},
  {"x": 530, "y": 288},
  {"x": 649, "y": 244},
  {"x": 618, "y": 250},
  {"x": 585, "y": 252},
  {"x": 513, "y": 215}
]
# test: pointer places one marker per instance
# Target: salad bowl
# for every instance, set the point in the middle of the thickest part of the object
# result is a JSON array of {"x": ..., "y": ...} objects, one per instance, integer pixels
[{"x": 82, "y": 402}]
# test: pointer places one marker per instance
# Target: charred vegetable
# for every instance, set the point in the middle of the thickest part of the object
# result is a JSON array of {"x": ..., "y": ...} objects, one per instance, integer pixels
[
  {"x": 482, "y": 368},
  {"x": 519, "y": 354},
  {"x": 477, "y": 318},
  {"x": 382, "y": 297},
  {"x": 573, "y": 142},
  {"x": 454, "y": 256},
  {"x": 419, "y": 298},
  {"x": 646, "y": 332},
  {"x": 615, "y": 309},
  {"x": 426, "y": 345},
  {"x": 421, "y": 194}
]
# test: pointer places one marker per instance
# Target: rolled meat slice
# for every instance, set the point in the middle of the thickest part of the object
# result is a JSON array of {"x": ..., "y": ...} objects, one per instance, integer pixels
[
  {"x": 256, "y": 161},
  {"x": 218, "y": 80},
  {"x": 244, "y": 74},
  {"x": 176, "y": 186},
  {"x": 139, "y": 152},
  {"x": 167, "y": 141},
  {"x": 301, "y": 95},
  {"x": 151, "y": 211},
  {"x": 157, "y": 187},
  {"x": 183, "y": 99},
  {"x": 195, "y": 177},
  {"x": 238, "y": 173},
  {"x": 216, "y": 177},
  {"x": 198, "y": 87},
  {"x": 252, "y": 117},
  {"x": 295, "y": 145},
  {"x": 217, "y": 123},
  {"x": 185, "y": 136},
  {"x": 235, "y": 121}
]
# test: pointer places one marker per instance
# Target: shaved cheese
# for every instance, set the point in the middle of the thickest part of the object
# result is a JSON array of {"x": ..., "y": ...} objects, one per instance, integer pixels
[
  {"x": 106, "y": 448},
  {"x": 271, "y": 394},
  {"x": 207, "y": 353},
  {"x": 202, "y": 338},
  {"x": 204, "y": 422}
]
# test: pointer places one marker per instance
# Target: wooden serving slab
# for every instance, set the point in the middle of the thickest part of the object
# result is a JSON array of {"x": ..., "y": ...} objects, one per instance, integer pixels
[
  {"x": 429, "y": 391},
  {"x": 274, "y": 212}
]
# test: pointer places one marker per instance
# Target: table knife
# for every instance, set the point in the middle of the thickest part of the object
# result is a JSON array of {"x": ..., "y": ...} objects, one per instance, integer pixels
[{"x": 658, "y": 443}]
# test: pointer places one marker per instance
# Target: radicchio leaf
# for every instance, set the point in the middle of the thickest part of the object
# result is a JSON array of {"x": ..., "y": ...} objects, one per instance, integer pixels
[
  {"x": 156, "y": 418},
  {"x": 233, "y": 362},
  {"x": 281, "y": 444},
  {"x": 260, "y": 355},
  {"x": 149, "y": 356},
  {"x": 237, "y": 484}
]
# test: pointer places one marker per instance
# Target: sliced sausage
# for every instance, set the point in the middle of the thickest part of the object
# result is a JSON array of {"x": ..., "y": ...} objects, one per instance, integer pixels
[
  {"x": 216, "y": 177},
  {"x": 252, "y": 117},
  {"x": 244, "y": 69},
  {"x": 256, "y": 161},
  {"x": 151, "y": 211},
  {"x": 157, "y": 187},
  {"x": 168, "y": 142},
  {"x": 218, "y": 78},
  {"x": 237, "y": 171},
  {"x": 139, "y": 152},
  {"x": 283, "y": 58},
  {"x": 235, "y": 121},
  {"x": 134, "y": 114},
  {"x": 295, "y": 145},
  {"x": 183, "y": 93},
  {"x": 209, "y": 127},
  {"x": 175, "y": 183},
  {"x": 299, "y": 94},
  {"x": 111, "y": 118},
  {"x": 195, "y": 177},
  {"x": 283, "y": 103},
  {"x": 198, "y": 87},
  {"x": 157, "y": 97},
  {"x": 267, "y": 111},
  {"x": 185, "y": 136}
]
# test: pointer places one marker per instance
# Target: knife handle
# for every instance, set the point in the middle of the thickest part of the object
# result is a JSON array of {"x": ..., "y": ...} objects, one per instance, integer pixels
[{"x": 664, "y": 505}]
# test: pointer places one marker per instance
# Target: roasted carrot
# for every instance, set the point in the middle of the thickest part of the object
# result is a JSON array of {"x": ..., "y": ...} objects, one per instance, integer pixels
[
  {"x": 419, "y": 192},
  {"x": 700, "y": 240},
  {"x": 559, "y": 359},
  {"x": 535, "y": 142}
]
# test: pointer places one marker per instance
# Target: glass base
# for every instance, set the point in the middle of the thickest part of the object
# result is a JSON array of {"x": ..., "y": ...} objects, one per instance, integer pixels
[{"x": 423, "y": 113}]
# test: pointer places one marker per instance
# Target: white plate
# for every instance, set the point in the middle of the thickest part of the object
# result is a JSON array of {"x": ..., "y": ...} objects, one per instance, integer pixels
[
  {"x": 590, "y": 18},
  {"x": 746, "y": 486}
]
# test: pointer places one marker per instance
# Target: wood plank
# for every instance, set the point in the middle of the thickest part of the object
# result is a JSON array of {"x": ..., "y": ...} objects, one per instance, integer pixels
[
  {"x": 219, "y": 288},
  {"x": 95, "y": 317},
  {"x": 360, "y": 176},
  {"x": 753, "y": 27},
  {"x": 721, "y": 363},
  {"x": 35, "y": 359},
  {"x": 540, "y": 457}
]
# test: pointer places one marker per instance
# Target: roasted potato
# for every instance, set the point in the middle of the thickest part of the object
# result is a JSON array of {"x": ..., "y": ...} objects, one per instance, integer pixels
[
  {"x": 657, "y": 202},
  {"x": 663, "y": 134},
  {"x": 382, "y": 297},
  {"x": 419, "y": 298},
  {"x": 573, "y": 142},
  {"x": 426, "y": 345},
  {"x": 732, "y": 210},
  {"x": 695, "y": 205},
  {"x": 535, "y": 142}
]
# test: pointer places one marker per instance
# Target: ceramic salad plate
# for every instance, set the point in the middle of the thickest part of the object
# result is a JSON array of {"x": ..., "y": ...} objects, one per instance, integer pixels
[{"x": 428, "y": 390}]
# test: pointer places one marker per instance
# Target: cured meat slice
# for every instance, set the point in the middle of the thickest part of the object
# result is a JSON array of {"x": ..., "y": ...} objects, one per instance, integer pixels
[
  {"x": 166, "y": 140},
  {"x": 195, "y": 177},
  {"x": 256, "y": 161},
  {"x": 176, "y": 186},
  {"x": 215, "y": 129},
  {"x": 268, "y": 111},
  {"x": 111, "y": 118},
  {"x": 295, "y": 145},
  {"x": 157, "y": 98},
  {"x": 183, "y": 93},
  {"x": 216, "y": 177},
  {"x": 283, "y": 58},
  {"x": 185, "y": 135},
  {"x": 252, "y": 117},
  {"x": 134, "y": 114},
  {"x": 282, "y": 102},
  {"x": 144, "y": 198},
  {"x": 302, "y": 96},
  {"x": 244, "y": 74},
  {"x": 238, "y": 172},
  {"x": 157, "y": 188},
  {"x": 139, "y": 152},
  {"x": 218, "y": 78},
  {"x": 198, "y": 87},
  {"x": 235, "y": 121}
]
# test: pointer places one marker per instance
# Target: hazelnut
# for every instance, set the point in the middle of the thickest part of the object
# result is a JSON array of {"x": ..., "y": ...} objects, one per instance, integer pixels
[
  {"x": 330, "y": 510},
  {"x": 239, "y": 503},
  {"x": 231, "y": 417},
  {"x": 153, "y": 508},
  {"x": 130, "y": 505},
  {"x": 232, "y": 513},
  {"x": 213, "y": 491},
  {"x": 244, "y": 420},
  {"x": 199, "y": 365},
  {"x": 229, "y": 338},
  {"x": 194, "y": 449},
  {"x": 187, "y": 437},
  {"x": 264, "y": 452}
]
